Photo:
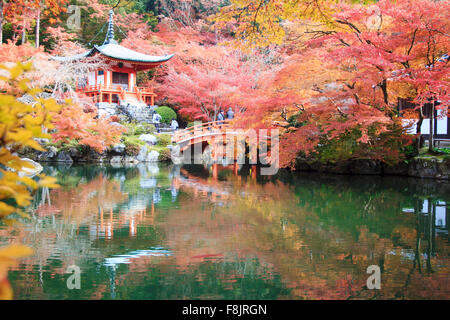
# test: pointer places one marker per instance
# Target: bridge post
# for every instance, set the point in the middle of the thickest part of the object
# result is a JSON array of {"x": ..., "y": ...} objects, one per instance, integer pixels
[
  {"x": 254, "y": 168},
  {"x": 215, "y": 170}
]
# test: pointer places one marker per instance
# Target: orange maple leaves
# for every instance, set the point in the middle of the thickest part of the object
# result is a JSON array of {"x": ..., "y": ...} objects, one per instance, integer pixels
[{"x": 73, "y": 124}]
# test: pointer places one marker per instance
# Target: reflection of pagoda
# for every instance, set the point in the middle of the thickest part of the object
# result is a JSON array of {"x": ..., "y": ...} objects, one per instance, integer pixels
[{"x": 118, "y": 79}]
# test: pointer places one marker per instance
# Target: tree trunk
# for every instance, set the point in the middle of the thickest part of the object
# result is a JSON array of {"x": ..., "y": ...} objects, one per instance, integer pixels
[
  {"x": 23, "y": 32},
  {"x": 418, "y": 131},
  {"x": 385, "y": 92},
  {"x": 38, "y": 24},
  {"x": 1, "y": 21},
  {"x": 431, "y": 142}
]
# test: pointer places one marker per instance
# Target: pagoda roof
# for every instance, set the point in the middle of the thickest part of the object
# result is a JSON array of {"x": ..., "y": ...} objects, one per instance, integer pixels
[
  {"x": 112, "y": 50},
  {"x": 117, "y": 52}
]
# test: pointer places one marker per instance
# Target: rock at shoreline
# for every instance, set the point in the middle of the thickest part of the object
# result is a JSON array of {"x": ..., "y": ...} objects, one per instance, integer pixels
[
  {"x": 65, "y": 157},
  {"x": 130, "y": 160},
  {"x": 75, "y": 153},
  {"x": 116, "y": 159},
  {"x": 153, "y": 156},
  {"x": 147, "y": 156},
  {"x": 30, "y": 172},
  {"x": 48, "y": 155},
  {"x": 365, "y": 166},
  {"x": 142, "y": 154},
  {"x": 419, "y": 167},
  {"x": 118, "y": 148},
  {"x": 96, "y": 157},
  {"x": 429, "y": 168},
  {"x": 398, "y": 169}
]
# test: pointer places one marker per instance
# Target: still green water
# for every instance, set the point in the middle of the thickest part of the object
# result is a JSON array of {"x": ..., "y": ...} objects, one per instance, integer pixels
[{"x": 164, "y": 232}]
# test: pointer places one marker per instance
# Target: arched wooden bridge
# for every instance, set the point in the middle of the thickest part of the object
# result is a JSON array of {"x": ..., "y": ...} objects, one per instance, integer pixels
[
  {"x": 203, "y": 132},
  {"x": 216, "y": 134}
]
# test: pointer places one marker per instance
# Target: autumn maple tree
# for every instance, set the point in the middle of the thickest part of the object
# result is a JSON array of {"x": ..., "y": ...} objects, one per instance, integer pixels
[
  {"x": 345, "y": 67},
  {"x": 210, "y": 80},
  {"x": 73, "y": 124}
]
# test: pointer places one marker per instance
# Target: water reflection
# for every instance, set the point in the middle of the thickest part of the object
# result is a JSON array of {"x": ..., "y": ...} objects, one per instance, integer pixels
[{"x": 169, "y": 232}]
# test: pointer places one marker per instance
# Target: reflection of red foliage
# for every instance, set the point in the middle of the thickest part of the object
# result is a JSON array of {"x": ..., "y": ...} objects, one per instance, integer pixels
[
  {"x": 202, "y": 256},
  {"x": 47, "y": 210}
]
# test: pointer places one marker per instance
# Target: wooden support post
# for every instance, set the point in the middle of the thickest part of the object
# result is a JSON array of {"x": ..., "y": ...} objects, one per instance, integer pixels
[
  {"x": 254, "y": 168},
  {"x": 110, "y": 98},
  {"x": 101, "y": 219},
  {"x": 152, "y": 100},
  {"x": 215, "y": 169}
]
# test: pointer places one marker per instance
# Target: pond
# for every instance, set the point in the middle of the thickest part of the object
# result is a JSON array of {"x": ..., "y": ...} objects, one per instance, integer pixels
[{"x": 155, "y": 231}]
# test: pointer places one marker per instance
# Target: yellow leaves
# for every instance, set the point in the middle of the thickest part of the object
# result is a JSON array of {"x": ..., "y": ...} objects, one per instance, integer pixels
[
  {"x": 8, "y": 257},
  {"x": 15, "y": 71},
  {"x": 6, "y": 292},
  {"x": 262, "y": 23},
  {"x": 6, "y": 100},
  {"x": 20, "y": 124},
  {"x": 20, "y": 136},
  {"x": 49, "y": 182},
  {"x": 6, "y": 209},
  {"x": 15, "y": 251}
]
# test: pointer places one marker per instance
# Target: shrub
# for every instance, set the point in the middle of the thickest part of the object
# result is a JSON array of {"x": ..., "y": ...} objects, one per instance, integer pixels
[
  {"x": 132, "y": 141},
  {"x": 148, "y": 128},
  {"x": 131, "y": 128},
  {"x": 166, "y": 113},
  {"x": 132, "y": 150},
  {"x": 164, "y": 155},
  {"x": 136, "y": 129},
  {"x": 139, "y": 130},
  {"x": 442, "y": 150},
  {"x": 164, "y": 139}
]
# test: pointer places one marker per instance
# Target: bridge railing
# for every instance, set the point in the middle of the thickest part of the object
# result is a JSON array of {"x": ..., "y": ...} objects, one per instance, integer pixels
[{"x": 201, "y": 130}]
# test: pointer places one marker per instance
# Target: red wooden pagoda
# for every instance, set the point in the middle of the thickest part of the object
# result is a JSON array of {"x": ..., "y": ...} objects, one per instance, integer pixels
[{"x": 117, "y": 81}]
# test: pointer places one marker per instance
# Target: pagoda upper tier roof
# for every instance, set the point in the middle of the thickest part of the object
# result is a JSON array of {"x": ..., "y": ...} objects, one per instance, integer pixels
[{"x": 115, "y": 51}]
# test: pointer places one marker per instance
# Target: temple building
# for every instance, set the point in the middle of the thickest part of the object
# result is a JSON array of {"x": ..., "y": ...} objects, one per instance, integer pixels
[
  {"x": 116, "y": 83},
  {"x": 439, "y": 122}
]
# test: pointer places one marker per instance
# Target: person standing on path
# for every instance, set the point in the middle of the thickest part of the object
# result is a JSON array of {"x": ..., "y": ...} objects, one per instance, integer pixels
[
  {"x": 230, "y": 113},
  {"x": 174, "y": 125},
  {"x": 156, "y": 120},
  {"x": 220, "y": 117}
]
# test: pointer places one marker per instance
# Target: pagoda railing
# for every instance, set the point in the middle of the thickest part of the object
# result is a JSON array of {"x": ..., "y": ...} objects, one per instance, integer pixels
[
  {"x": 116, "y": 89},
  {"x": 146, "y": 90}
]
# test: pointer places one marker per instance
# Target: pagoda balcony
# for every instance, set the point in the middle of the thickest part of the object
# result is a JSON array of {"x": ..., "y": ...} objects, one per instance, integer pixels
[{"x": 116, "y": 93}]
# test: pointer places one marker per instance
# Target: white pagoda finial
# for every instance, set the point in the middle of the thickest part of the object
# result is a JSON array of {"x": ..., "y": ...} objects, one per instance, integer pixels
[{"x": 110, "y": 34}]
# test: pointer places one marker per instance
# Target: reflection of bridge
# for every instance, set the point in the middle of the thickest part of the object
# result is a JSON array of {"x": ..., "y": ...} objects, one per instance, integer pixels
[{"x": 218, "y": 135}]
